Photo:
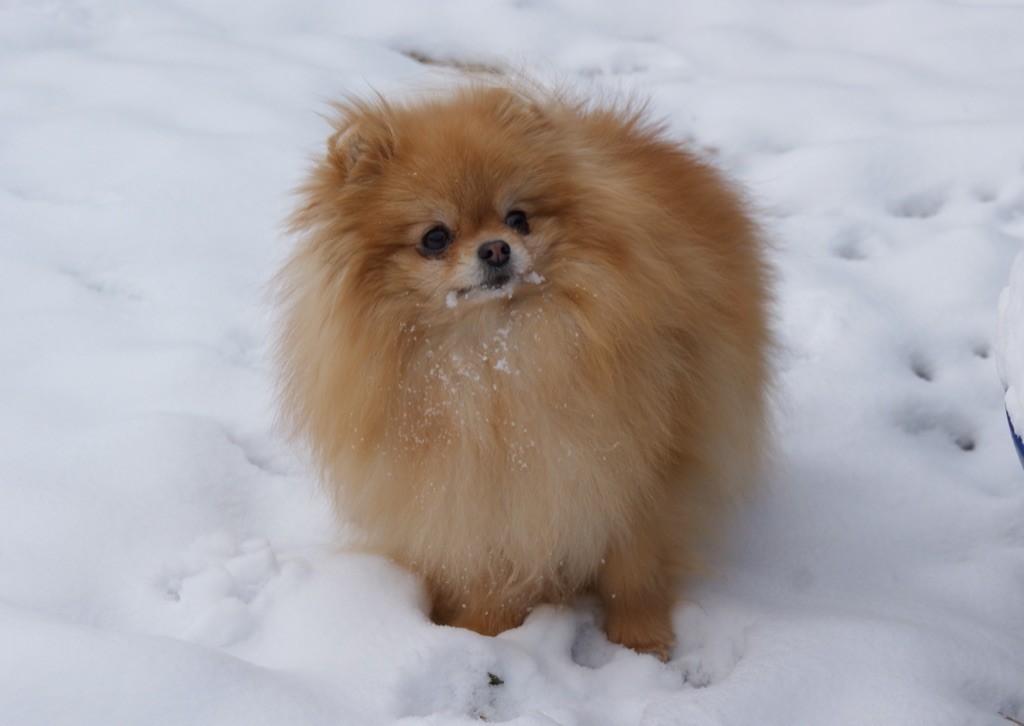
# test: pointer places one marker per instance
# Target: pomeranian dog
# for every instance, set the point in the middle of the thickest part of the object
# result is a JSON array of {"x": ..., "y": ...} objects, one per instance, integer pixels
[{"x": 525, "y": 338}]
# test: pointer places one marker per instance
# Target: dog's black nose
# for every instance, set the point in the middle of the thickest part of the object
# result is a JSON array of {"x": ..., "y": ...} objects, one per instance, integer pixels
[{"x": 495, "y": 253}]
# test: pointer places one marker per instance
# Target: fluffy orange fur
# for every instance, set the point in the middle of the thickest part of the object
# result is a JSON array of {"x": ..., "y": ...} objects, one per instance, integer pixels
[{"x": 583, "y": 427}]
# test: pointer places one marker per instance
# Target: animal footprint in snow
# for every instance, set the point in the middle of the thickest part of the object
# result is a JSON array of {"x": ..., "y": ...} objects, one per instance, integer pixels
[
  {"x": 464, "y": 681},
  {"x": 857, "y": 241},
  {"x": 922, "y": 205},
  {"x": 919, "y": 419},
  {"x": 219, "y": 588},
  {"x": 922, "y": 368}
]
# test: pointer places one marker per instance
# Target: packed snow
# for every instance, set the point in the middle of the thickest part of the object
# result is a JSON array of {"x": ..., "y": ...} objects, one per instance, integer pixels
[{"x": 166, "y": 558}]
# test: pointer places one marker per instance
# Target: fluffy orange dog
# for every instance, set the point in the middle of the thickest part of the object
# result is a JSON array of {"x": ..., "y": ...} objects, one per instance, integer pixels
[{"x": 525, "y": 338}]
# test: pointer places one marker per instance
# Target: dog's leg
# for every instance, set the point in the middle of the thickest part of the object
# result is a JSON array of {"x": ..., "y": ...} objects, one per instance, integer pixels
[
  {"x": 490, "y": 618},
  {"x": 638, "y": 593},
  {"x": 475, "y": 608}
]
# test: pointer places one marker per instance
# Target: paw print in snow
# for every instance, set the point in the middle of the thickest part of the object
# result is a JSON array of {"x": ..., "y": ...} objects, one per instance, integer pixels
[{"x": 219, "y": 588}]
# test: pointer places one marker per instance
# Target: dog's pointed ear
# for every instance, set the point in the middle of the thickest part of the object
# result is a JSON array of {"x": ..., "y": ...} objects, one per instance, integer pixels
[{"x": 360, "y": 147}]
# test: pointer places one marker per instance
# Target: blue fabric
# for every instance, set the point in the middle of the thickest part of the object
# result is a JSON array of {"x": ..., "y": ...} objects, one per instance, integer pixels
[{"x": 1016, "y": 440}]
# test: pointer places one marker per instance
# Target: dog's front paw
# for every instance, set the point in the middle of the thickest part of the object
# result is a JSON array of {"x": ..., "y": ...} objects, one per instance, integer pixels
[
  {"x": 643, "y": 631},
  {"x": 489, "y": 620}
]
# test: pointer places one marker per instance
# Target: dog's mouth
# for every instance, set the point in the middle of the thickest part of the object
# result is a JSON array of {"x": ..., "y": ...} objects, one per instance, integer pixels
[
  {"x": 497, "y": 285},
  {"x": 497, "y": 281},
  {"x": 503, "y": 286}
]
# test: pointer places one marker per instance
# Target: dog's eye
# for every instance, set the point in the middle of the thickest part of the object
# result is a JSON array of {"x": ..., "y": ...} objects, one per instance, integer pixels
[
  {"x": 435, "y": 240},
  {"x": 516, "y": 219}
]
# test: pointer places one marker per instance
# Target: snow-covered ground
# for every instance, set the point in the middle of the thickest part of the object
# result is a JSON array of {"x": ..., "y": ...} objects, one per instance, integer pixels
[{"x": 165, "y": 558}]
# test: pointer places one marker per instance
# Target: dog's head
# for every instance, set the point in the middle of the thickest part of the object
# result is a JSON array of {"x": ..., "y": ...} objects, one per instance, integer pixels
[{"x": 450, "y": 202}]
